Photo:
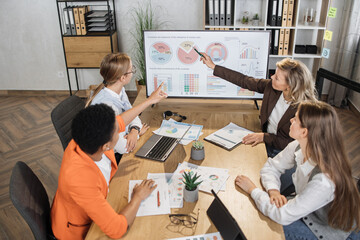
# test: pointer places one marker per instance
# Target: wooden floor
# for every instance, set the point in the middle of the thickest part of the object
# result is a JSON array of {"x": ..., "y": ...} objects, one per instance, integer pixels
[{"x": 27, "y": 134}]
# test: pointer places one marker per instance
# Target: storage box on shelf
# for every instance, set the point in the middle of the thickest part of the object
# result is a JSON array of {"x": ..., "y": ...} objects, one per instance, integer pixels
[
  {"x": 299, "y": 32},
  {"x": 88, "y": 30}
]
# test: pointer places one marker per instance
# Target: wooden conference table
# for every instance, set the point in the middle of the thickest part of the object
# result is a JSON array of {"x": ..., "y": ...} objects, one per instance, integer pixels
[{"x": 247, "y": 160}]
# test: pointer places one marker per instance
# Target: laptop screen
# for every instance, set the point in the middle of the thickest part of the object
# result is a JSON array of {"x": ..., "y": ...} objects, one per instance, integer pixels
[{"x": 223, "y": 221}]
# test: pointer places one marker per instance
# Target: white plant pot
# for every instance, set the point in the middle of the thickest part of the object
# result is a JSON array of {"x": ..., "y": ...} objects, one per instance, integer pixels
[
  {"x": 191, "y": 196},
  {"x": 255, "y": 22},
  {"x": 197, "y": 154}
]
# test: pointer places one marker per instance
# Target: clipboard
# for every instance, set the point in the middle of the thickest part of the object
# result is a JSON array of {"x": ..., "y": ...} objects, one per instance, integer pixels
[{"x": 228, "y": 137}]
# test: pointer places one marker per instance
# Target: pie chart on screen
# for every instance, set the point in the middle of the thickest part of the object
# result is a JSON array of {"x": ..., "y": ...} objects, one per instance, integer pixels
[
  {"x": 160, "y": 53},
  {"x": 186, "y": 53}
]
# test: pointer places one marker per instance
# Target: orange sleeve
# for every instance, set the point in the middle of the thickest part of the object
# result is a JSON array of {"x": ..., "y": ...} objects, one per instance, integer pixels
[
  {"x": 85, "y": 189},
  {"x": 122, "y": 126}
]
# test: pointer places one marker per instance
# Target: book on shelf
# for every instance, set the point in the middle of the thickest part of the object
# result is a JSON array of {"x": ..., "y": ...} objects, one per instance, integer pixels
[
  {"x": 272, "y": 16},
  {"x": 77, "y": 20},
  {"x": 286, "y": 41},
  {"x": 229, "y": 13},
  {"x": 82, "y": 11},
  {"x": 281, "y": 41},
  {"x": 284, "y": 13},
  {"x": 216, "y": 12},
  {"x": 211, "y": 12},
  {"x": 222, "y": 13},
  {"x": 290, "y": 13},
  {"x": 279, "y": 13}
]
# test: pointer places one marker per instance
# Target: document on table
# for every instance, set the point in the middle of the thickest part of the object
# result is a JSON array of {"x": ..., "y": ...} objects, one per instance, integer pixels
[
  {"x": 177, "y": 129},
  {"x": 158, "y": 201},
  {"x": 215, "y": 235},
  {"x": 229, "y": 136}
]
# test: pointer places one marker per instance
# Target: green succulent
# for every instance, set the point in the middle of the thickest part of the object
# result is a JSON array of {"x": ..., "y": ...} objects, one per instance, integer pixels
[
  {"x": 190, "y": 181},
  {"x": 198, "y": 145}
]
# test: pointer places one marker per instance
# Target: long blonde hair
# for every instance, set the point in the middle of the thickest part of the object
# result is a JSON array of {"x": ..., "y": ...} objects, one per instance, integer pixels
[
  {"x": 112, "y": 67},
  {"x": 326, "y": 148},
  {"x": 300, "y": 80}
]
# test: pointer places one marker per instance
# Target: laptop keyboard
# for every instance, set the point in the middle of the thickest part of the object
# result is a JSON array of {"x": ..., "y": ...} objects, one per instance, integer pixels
[{"x": 161, "y": 147}]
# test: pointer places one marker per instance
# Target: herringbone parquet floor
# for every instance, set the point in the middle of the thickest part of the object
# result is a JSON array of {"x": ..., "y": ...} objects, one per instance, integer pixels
[{"x": 27, "y": 134}]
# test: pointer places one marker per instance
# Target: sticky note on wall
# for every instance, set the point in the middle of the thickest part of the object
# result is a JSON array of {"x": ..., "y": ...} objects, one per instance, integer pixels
[
  {"x": 328, "y": 35},
  {"x": 325, "y": 53},
  {"x": 332, "y": 12}
]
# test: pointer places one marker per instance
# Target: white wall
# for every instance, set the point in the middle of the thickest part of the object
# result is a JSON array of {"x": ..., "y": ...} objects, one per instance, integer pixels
[{"x": 31, "y": 53}]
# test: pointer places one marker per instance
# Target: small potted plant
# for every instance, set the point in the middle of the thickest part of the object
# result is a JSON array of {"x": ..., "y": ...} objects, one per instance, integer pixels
[
  {"x": 244, "y": 20},
  {"x": 255, "y": 20},
  {"x": 191, "y": 190},
  {"x": 197, "y": 150}
]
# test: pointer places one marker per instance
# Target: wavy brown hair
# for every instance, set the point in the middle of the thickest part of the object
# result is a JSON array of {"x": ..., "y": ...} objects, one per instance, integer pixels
[
  {"x": 326, "y": 149},
  {"x": 300, "y": 80},
  {"x": 112, "y": 67}
]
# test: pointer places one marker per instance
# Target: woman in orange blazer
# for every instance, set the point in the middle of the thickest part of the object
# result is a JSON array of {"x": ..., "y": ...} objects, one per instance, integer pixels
[{"x": 87, "y": 167}]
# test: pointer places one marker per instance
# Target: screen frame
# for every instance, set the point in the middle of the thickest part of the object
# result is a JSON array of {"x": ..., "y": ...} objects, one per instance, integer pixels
[{"x": 218, "y": 31}]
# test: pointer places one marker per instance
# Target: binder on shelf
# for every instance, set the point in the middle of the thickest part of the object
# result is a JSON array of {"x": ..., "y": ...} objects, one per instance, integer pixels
[
  {"x": 216, "y": 12},
  {"x": 272, "y": 12},
  {"x": 211, "y": 12},
  {"x": 222, "y": 12},
  {"x": 77, "y": 20},
  {"x": 284, "y": 13},
  {"x": 286, "y": 41},
  {"x": 276, "y": 42},
  {"x": 72, "y": 23},
  {"x": 290, "y": 13},
  {"x": 228, "y": 12},
  {"x": 67, "y": 22},
  {"x": 281, "y": 41},
  {"x": 279, "y": 13},
  {"x": 82, "y": 11}
]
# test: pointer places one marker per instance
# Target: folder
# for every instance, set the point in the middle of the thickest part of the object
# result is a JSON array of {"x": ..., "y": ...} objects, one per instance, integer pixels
[
  {"x": 82, "y": 11},
  {"x": 276, "y": 42},
  {"x": 228, "y": 12},
  {"x": 77, "y": 20},
  {"x": 286, "y": 41},
  {"x": 222, "y": 12},
  {"x": 216, "y": 12},
  {"x": 272, "y": 12},
  {"x": 284, "y": 15},
  {"x": 72, "y": 23},
  {"x": 211, "y": 12},
  {"x": 281, "y": 41},
  {"x": 290, "y": 13},
  {"x": 279, "y": 13},
  {"x": 67, "y": 22}
]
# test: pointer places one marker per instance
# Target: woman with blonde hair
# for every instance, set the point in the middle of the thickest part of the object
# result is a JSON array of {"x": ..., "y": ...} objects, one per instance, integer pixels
[
  {"x": 291, "y": 84},
  {"x": 117, "y": 71},
  {"x": 327, "y": 201}
]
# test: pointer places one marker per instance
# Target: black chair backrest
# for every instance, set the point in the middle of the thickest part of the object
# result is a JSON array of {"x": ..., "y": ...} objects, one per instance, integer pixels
[
  {"x": 31, "y": 200},
  {"x": 62, "y": 116}
]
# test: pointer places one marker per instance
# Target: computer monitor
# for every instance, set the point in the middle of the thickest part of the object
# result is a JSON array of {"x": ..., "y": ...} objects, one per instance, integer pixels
[{"x": 223, "y": 221}]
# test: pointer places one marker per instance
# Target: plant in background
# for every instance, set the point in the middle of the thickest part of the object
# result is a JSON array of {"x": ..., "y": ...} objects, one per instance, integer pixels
[
  {"x": 144, "y": 19},
  {"x": 190, "y": 181},
  {"x": 256, "y": 16},
  {"x": 244, "y": 20},
  {"x": 198, "y": 145}
]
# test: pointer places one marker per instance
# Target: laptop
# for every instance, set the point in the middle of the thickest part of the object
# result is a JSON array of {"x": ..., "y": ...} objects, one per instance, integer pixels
[
  {"x": 223, "y": 221},
  {"x": 159, "y": 147}
]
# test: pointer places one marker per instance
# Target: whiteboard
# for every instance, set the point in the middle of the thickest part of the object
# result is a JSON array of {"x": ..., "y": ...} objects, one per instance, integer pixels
[{"x": 170, "y": 58}]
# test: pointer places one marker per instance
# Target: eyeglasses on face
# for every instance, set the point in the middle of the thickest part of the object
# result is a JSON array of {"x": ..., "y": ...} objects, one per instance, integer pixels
[
  {"x": 133, "y": 70},
  {"x": 184, "y": 219}
]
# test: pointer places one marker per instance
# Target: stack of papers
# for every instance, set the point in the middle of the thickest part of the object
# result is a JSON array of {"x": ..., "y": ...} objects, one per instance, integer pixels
[
  {"x": 207, "y": 236},
  {"x": 229, "y": 136},
  {"x": 172, "y": 128}
]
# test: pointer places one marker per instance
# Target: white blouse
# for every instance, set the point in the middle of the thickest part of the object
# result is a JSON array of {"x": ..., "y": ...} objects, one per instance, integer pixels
[
  {"x": 105, "y": 167},
  {"x": 310, "y": 195},
  {"x": 277, "y": 113}
]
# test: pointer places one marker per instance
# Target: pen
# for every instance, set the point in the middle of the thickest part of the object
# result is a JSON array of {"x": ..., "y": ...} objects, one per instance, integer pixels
[
  {"x": 199, "y": 53},
  {"x": 158, "y": 198}
]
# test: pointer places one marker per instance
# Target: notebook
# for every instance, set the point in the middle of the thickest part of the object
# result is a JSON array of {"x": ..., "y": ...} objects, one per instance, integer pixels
[
  {"x": 223, "y": 221},
  {"x": 159, "y": 147}
]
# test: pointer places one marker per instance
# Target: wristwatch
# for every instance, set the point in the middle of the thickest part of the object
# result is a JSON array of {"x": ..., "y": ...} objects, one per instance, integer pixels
[{"x": 135, "y": 127}]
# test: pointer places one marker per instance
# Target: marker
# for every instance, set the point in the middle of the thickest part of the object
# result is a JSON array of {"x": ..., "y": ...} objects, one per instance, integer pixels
[
  {"x": 199, "y": 53},
  {"x": 158, "y": 198}
]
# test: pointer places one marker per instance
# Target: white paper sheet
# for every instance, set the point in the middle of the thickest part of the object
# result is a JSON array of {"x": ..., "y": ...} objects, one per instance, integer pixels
[
  {"x": 207, "y": 236},
  {"x": 149, "y": 206}
]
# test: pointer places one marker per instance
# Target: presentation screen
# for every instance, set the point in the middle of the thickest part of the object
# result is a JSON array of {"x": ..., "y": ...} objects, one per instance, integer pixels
[{"x": 170, "y": 58}]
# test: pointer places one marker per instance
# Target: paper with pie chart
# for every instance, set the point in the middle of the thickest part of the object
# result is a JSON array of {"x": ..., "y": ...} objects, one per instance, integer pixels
[
  {"x": 170, "y": 58},
  {"x": 212, "y": 178},
  {"x": 177, "y": 130}
]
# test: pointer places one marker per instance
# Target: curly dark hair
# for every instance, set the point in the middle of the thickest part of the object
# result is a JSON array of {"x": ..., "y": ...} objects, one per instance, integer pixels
[{"x": 93, "y": 126}]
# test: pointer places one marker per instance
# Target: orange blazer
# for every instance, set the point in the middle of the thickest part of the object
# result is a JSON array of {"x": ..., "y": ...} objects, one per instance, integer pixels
[{"x": 81, "y": 196}]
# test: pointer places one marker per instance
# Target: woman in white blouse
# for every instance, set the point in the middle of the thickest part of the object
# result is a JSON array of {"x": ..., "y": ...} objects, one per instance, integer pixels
[
  {"x": 327, "y": 202},
  {"x": 117, "y": 71}
]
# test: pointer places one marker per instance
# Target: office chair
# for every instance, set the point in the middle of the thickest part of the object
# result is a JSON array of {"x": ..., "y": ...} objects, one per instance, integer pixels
[
  {"x": 62, "y": 116},
  {"x": 31, "y": 200}
]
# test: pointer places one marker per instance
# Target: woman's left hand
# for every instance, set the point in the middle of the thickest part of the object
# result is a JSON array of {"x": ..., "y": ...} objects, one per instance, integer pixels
[
  {"x": 131, "y": 140},
  {"x": 245, "y": 183},
  {"x": 253, "y": 139}
]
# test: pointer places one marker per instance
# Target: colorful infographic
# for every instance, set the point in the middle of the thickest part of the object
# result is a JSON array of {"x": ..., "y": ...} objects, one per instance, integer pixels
[{"x": 170, "y": 58}]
